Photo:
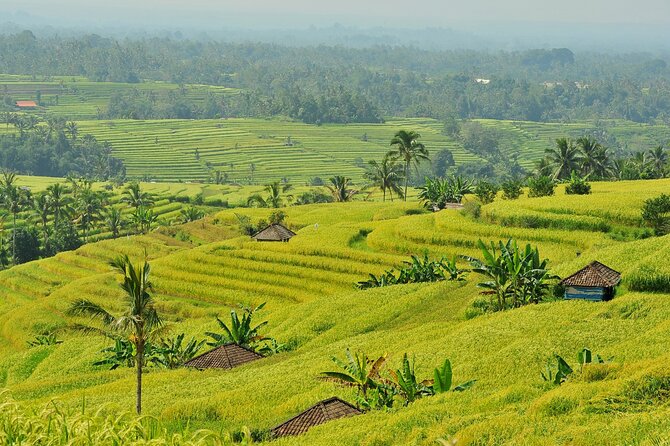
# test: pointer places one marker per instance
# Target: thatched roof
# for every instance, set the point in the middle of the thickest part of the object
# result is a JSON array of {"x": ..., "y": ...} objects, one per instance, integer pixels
[
  {"x": 224, "y": 357},
  {"x": 274, "y": 233},
  {"x": 322, "y": 412},
  {"x": 594, "y": 274}
]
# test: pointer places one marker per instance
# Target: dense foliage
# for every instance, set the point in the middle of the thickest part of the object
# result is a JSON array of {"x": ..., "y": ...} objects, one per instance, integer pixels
[{"x": 335, "y": 84}]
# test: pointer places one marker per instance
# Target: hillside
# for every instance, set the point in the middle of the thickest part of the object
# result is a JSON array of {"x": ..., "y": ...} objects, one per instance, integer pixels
[{"x": 312, "y": 306}]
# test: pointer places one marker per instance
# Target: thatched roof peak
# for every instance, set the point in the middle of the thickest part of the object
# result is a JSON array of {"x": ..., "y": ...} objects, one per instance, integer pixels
[
  {"x": 274, "y": 233},
  {"x": 322, "y": 412},
  {"x": 595, "y": 274}
]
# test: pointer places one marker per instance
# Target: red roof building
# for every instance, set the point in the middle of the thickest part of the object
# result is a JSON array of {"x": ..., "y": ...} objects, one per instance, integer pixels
[{"x": 26, "y": 104}]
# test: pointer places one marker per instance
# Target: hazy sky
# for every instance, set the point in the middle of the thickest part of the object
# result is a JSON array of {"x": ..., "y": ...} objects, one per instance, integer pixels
[{"x": 407, "y": 13}]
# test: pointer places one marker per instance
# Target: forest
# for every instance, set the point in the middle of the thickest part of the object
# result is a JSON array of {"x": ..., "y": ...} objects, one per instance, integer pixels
[{"x": 326, "y": 84}]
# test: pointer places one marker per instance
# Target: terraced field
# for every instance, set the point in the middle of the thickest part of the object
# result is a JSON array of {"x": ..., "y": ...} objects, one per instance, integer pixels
[
  {"x": 77, "y": 98},
  {"x": 312, "y": 305}
]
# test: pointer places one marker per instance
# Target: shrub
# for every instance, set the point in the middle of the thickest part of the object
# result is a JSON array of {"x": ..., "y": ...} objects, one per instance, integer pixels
[
  {"x": 655, "y": 213},
  {"x": 472, "y": 209},
  {"x": 541, "y": 186},
  {"x": 512, "y": 189},
  {"x": 486, "y": 192},
  {"x": 577, "y": 186}
]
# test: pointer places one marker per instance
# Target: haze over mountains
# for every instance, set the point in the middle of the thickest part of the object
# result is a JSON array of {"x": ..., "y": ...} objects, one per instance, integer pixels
[{"x": 614, "y": 26}]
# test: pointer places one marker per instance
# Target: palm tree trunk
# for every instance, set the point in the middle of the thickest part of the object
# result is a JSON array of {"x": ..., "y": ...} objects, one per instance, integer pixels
[
  {"x": 140, "y": 361},
  {"x": 406, "y": 177},
  {"x": 14, "y": 238},
  {"x": 384, "y": 194}
]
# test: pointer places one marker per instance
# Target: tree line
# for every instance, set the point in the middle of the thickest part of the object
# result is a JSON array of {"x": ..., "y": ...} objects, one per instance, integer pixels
[{"x": 335, "y": 84}]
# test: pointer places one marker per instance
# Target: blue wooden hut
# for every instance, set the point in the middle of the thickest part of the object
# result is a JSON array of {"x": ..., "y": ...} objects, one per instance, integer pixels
[{"x": 594, "y": 282}]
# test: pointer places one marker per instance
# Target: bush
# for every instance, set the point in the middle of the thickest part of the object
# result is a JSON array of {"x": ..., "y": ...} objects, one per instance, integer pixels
[
  {"x": 512, "y": 189},
  {"x": 27, "y": 244},
  {"x": 541, "y": 186},
  {"x": 486, "y": 192},
  {"x": 655, "y": 213},
  {"x": 577, "y": 186},
  {"x": 472, "y": 209}
]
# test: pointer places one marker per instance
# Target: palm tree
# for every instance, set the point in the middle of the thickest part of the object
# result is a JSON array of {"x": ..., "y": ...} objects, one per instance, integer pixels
[
  {"x": 410, "y": 150},
  {"x": 59, "y": 201},
  {"x": 42, "y": 207},
  {"x": 339, "y": 187},
  {"x": 658, "y": 160},
  {"x": 13, "y": 199},
  {"x": 240, "y": 331},
  {"x": 114, "y": 221},
  {"x": 564, "y": 157},
  {"x": 143, "y": 218},
  {"x": 135, "y": 197},
  {"x": 71, "y": 128},
  {"x": 139, "y": 322},
  {"x": 274, "y": 198},
  {"x": 386, "y": 176},
  {"x": 89, "y": 205},
  {"x": 595, "y": 159}
]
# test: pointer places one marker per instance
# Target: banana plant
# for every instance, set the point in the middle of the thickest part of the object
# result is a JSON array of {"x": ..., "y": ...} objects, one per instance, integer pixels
[
  {"x": 406, "y": 381},
  {"x": 442, "y": 380},
  {"x": 173, "y": 352},
  {"x": 240, "y": 331},
  {"x": 358, "y": 371},
  {"x": 560, "y": 375}
]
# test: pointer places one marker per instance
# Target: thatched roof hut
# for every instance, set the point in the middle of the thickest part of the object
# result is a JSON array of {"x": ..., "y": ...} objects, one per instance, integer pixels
[
  {"x": 224, "y": 357},
  {"x": 594, "y": 282},
  {"x": 274, "y": 233},
  {"x": 322, "y": 412}
]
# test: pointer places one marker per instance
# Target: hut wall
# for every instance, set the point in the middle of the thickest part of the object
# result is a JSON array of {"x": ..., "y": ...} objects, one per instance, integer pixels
[{"x": 594, "y": 294}]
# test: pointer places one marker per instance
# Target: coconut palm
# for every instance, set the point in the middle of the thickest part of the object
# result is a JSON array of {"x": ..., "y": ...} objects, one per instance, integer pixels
[
  {"x": 13, "y": 199},
  {"x": 339, "y": 187},
  {"x": 72, "y": 129},
  {"x": 143, "y": 218},
  {"x": 42, "y": 208},
  {"x": 595, "y": 159},
  {"x": 658, "y": 161},
  {"x": 564, "y": 157},
  {"x": 409, "y": 150},
  {"x": 88, "y": 208},
  {"x": 386, "y": 175},
  {"x": 240, "y": 331},
  {"x": 140, "y": 321},
  {"x": 274, "y": 199},
  {"x": 59, "y": 201},
  {"x": 135, "y": 197}
]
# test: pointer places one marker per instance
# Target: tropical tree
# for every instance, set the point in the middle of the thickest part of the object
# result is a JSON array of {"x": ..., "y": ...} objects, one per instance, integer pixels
[
  {"x": 564, "y": 158},
  {"x": 241, "y": 331},
  {"x": 357, "y": 370},
  {"x": 274, "y": 199},
  {"x": 59, "y": 200},
  {"x": 409, "y": 150},
  {"x": 386, "y": 175},
  {"x": 13, "y": 199},
  {"x": 191, "y": 213},
  {"x": 88, "y": 208},
  {"x": 594, "y": 158},
  {"x": 114, "y": 221},
  {"x": 340, "y": 188},
  {"x": 143, "y": 218},
  {"x": 139, "y": 323},
  {"x": 72, "y": 130},
  {"x": 41, "y": 205},
  {"x": 174, "y": 352},
  {"x": 658, "y": 161},
  {"x": 135, "y": 197}
]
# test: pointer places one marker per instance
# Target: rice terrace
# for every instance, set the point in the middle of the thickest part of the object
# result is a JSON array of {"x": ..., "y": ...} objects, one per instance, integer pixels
[{"x": 333, "y": 234}]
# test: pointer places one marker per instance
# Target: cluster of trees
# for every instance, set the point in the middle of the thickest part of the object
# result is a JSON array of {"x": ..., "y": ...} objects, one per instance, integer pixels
[
  {"x": 139, "y": 332},
  {"x": 336, "y": 84},
  {"x": 588, "y": 158},
  {"x": 63, "y": 217},
  {"x": 416, "y": 270},
  {"x": 55, "y": 148}
]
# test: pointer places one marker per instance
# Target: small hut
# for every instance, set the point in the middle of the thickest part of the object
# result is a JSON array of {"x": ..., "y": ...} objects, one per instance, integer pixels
[
  {"x": 227, "y": 356},
  {"x": 322, "y": 412},
  {"x": 594, "y": 282},
  {"x": 274, "y": 233},
  {"x": 26, "y": 104}
]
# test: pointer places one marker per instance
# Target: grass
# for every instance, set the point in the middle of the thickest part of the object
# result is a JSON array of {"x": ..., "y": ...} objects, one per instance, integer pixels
[{"x": 312, "y": 305}]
